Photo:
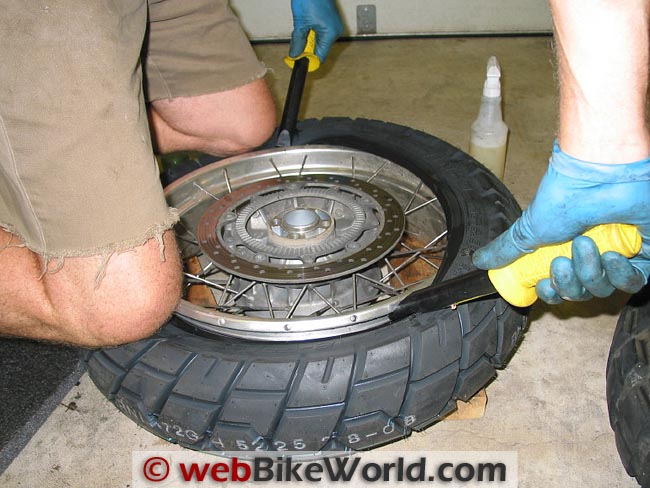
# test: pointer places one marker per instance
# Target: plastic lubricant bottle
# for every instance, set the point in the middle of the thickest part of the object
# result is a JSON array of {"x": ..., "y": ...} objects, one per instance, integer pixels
[{"x": 489, "y": 136}]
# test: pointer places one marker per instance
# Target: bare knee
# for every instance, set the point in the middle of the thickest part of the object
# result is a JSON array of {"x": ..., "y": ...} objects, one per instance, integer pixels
[
  {"x": 222, "y": 124},
  {"x": 145, "y": 296},
  {"x": 139, "y": 315},
  {"x": 243, "y": 136},
  {"x": 136, "y": 296}
]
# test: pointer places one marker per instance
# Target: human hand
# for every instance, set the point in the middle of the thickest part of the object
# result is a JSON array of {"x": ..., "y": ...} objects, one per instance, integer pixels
[
  {"x": 319, "y": 15},
  {"x": 572, "y": 197}
]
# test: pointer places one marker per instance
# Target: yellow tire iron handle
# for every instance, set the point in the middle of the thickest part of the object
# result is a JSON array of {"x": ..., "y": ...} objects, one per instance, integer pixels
[
  {"x": 515, "y": 282},
  {"x": 308, "y": 53},
  {"x": 300, "y": 65}
]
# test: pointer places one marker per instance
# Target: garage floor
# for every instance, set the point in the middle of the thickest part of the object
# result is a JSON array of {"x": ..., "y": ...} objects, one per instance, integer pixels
[{"x": 548, "y": 405}]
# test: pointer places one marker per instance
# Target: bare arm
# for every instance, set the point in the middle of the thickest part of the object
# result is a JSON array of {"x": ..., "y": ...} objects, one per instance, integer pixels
[
  {"x": 602, "y": 50},
  {"x": 600, "y": 173}
]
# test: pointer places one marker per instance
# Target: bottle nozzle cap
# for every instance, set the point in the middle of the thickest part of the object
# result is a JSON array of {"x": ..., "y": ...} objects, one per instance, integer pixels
[{"x": 492, "y": 85}]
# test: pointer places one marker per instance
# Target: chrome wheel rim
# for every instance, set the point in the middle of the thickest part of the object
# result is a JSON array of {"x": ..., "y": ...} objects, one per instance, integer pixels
[{"x": 303, "y": 243}]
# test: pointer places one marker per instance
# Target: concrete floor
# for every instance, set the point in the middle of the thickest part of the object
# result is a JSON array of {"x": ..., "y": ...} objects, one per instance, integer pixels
[{"x": 548, "y": 405}]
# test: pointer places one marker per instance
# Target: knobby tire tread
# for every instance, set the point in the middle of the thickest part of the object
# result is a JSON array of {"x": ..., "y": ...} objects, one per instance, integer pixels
[{"x": 628, "y": 387}]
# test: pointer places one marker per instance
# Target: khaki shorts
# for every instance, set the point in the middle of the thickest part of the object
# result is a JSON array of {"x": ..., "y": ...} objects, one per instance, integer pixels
[{"x": 77, "y": 171}]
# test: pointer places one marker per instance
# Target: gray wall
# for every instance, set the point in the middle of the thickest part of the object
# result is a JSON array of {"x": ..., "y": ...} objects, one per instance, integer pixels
[{"x": 269, "y": 19}]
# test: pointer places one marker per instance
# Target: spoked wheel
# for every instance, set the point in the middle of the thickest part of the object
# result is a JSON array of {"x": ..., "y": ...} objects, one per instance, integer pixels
[
  {"x": 305, "y": 243},
  {"x": 294, "y": 261}
]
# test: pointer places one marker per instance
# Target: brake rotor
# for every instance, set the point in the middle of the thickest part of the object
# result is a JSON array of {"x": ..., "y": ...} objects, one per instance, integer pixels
[{"x": 300, "y": 229}]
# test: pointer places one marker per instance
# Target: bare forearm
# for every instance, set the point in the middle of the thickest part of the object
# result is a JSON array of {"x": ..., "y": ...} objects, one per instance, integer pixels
[{"x": 602, "y": 50}]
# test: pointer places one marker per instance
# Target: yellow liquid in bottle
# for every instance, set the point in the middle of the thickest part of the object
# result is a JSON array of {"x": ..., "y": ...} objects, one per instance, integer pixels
[{"x": 493, "y": 158}]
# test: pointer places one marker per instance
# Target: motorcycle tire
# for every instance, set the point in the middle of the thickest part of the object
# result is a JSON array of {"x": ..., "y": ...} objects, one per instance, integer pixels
[{"x": 352, "y": 391}]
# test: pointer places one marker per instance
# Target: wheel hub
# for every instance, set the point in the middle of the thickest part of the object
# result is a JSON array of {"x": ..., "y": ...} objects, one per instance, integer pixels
[{"x": 294, "y": 226}]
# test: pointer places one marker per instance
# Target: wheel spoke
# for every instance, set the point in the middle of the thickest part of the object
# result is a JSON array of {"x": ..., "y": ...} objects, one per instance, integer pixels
[
  {"x": 320, "y": 311},
  {"x": 422, "y": 205},
  {"x": 412, "y": 258},
  {"x": 294, "y": 305},
  {"x": 325, "y": 300},
  {"x": 225, "y": 177},
  {"x": 412, "y": 199},
  {"x": 419, "y": 256},
  {"x": 196, "y": 185},
  {"x": 377, "y": 171},
  {"x": 275, "y": 168},
  {"x": 265, "y": 287},
  {"x": 203, "y": 281},
  {"x": 423, "y": 250},
  {"x": 379, "y": 285},
  {"x": 204, "y": 270},
  {"x": 302, "y": 166},
  {"x": 394, "y": 273},
  {"x": 226, "y": 290},
  {"x": 241, "y": 293}
]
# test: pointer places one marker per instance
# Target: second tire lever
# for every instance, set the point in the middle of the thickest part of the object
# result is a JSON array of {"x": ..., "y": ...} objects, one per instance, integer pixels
[
  {"x": 516, "y": 281},
  {"x": 306, "y": 61},
  {"x": 292, "y": 103}
]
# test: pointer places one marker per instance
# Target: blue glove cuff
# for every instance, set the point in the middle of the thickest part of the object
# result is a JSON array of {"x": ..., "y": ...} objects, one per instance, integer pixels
[{"x": 598, "y": 172}]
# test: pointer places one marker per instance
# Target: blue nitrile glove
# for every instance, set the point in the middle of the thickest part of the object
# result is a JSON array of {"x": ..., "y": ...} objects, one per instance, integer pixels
[
  {"x": 319, "y": 15},
  {"x": 572, "y": 197}
]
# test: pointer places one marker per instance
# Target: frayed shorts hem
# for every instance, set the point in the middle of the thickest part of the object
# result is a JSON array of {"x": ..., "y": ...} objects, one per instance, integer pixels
[{"x": 52, "y": 262}]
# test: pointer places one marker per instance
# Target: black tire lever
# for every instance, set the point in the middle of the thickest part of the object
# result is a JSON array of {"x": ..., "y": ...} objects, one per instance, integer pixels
[{"x": 287, "y": 129}]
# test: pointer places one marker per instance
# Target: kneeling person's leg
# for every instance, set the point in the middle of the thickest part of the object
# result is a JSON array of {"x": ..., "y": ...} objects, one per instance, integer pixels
[
  {"x": 79, "y": 187},
  {"x": 135, "y": 295},
  {"x": 204, "y": 81}
]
